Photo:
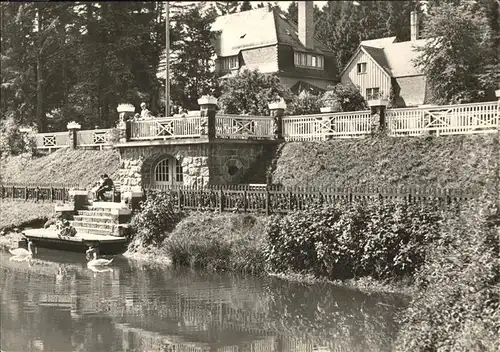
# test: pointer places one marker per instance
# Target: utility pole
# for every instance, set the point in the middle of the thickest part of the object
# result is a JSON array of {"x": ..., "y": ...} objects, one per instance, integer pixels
[{"x": 167, "y": 61}]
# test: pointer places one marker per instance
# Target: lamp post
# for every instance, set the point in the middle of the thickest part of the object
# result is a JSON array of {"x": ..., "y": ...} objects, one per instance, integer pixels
[{"x": 167, "y": 61}]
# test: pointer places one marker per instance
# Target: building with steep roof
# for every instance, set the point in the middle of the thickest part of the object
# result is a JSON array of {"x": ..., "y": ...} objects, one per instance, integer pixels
[
  {"x": 384, "y": 68},
  {"x": 266, "y": 40}
]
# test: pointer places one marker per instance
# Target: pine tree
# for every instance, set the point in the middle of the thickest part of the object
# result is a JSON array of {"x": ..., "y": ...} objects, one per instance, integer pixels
[
  {"x": 245, "y": 6},
  {"x": 226, "y": 7},
  {"x": 192, "y": 57},
  {"x": 292, "y": 12}
]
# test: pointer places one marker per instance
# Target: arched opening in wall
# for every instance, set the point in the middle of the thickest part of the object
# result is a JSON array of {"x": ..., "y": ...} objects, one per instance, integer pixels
[{"x": 167, "y": 171}]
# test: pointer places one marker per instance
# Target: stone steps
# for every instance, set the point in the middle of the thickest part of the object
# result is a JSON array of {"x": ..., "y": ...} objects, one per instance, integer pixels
[
  {"x": 96, "y": 213},
  {"x": 93, "y": 225},
  {"x": 95, "y": 218},
  {"x": 93, "y": 231}
]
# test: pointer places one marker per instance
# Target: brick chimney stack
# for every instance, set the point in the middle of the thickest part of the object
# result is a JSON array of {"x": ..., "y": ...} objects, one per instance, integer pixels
[
  {"x": 414, "y": 26},
  {"x": 306, "y": 23}
]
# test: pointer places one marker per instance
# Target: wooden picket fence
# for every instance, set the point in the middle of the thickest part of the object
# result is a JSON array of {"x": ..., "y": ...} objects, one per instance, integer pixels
[
  {"x": 36, "y": 192},
  {"x": 275, "y": 199}
]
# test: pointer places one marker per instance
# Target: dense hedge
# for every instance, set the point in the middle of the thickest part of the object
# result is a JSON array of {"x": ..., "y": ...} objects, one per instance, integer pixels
[
  {"x": 342, "y": 241},
  {"x": 457, "y": 307},
  {"x": 156, "y": 218},
  {"x": 225, "y": 242}
]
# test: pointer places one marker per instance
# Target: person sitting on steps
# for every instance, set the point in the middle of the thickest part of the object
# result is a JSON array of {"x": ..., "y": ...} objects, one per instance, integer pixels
[{"x": 106, "y": 185}]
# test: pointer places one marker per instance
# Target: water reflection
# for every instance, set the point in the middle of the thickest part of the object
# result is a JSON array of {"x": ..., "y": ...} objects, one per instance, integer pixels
[{"x": 58, "y": 304}]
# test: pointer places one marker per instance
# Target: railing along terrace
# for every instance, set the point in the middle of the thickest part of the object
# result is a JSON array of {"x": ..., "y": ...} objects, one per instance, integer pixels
[
  {"x": 36, "y": 192},
  {"x": 275, "y": 199},
  {"x": 324, "y": 126},
  {"x": 166, "y": 128},
  {"x": 444, "y": 120},
  {"x": 244, "y": 127},
  {"x": 94, "y": 138},
  {"x": 52, "y": 140}
]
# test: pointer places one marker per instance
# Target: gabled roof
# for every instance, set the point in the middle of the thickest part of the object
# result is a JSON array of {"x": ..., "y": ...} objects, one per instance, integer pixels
[
  {"x": 257, "y": 28},
  {"x": 396, "y": 59}
]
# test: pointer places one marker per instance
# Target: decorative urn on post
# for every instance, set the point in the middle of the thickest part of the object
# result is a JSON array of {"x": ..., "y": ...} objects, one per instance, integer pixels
[
  {"x": 208, "y": 109},
  {"x": 73, "y": 128},
  {"x": 277, "y": 109},
  {"x": 125, "y": 112}
]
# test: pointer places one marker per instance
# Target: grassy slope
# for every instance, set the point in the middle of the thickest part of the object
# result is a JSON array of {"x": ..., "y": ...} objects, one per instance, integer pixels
[
  {"x": 446, "y": 161},
  {"x": 64, "y": 166},
  {"x": 19, "y": 214}
]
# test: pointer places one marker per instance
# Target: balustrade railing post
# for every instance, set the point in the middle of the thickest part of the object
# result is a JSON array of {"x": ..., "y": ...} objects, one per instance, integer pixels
[
  {"x": 25, "y": 194},
  {"x": 277, "y": 109},
  {"x": 37, "y": 194},
  {"x": 13, "y": 192},
  {"x": 208, "y": 108},
  {"x": 3, "y": 192},
  {"x": 51, "y": 195}
]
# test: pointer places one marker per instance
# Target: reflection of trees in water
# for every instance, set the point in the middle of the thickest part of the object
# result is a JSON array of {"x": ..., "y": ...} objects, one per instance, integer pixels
[{"x": 203, "y": 307}]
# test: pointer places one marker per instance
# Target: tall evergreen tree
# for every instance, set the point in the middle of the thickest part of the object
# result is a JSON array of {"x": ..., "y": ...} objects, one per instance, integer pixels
[
  {"x": 245, "y": 6},
  {"x": 459, "y": 53},
  {"x": 192, "y": 56}
]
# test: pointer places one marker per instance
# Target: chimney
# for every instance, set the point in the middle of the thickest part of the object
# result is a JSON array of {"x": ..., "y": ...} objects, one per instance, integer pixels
[
  {"x": 306, "y": 23},
  {"x": 414, "y": 26}
]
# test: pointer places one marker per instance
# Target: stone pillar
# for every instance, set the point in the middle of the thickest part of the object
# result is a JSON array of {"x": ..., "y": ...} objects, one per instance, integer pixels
[
  {"x": 79, "y": 198},
  {"x": 131, "y": 198},
  {"x": 378, "y": 108},
  {"x": 125, "y": 112},
  {"x": 277, "y": 110},
  {"x": 208, "y": 109},
  {"x": 73, "y": 129}
]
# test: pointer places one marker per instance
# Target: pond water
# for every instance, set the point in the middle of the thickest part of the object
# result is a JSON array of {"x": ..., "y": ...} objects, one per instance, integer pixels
[{"x": 58, "y": 304}]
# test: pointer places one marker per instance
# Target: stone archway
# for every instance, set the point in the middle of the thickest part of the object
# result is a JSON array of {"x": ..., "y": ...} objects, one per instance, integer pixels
[{"x": 186, "y": 162}]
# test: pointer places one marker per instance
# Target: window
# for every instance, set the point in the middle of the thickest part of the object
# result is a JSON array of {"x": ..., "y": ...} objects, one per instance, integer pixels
[
  {"x": 230, "y": 62},
  {"x": 179, "y": 175},
  {"x": 361, "y": 68},
  {"x": 309, "y": 60},
  {"x": 162, "y": 171},
  {"x": 372, "y": 93}
]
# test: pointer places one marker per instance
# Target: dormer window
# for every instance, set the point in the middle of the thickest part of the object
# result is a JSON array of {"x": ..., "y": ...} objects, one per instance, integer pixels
[
  {"x": 309, "y": 60},
  {"x": 229, "y": 63},
  {"x": 361, "y": 68}
]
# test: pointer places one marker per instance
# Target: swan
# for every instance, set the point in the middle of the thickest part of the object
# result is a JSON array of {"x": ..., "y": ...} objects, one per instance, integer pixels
[
  {"x": 20, "y": 254},
  {"x": 98, "y": 262}
]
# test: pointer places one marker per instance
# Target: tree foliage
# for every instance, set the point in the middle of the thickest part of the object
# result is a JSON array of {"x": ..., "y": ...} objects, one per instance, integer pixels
[
  {"x": 303, "y": 104},
  {"x": 192, "y": 58},
  {"x": 461, "y": 59},
  {"x": 347, "y": 97},
  {"x": 250, "y": 92},
  {"x": 341, "y": 25},
  {"x": 80, "y": 58}
]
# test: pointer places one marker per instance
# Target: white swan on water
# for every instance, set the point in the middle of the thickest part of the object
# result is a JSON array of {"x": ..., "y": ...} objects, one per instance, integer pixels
[
  {"x": 21, "y": 254},
  {"x": 98, "y": 262}
]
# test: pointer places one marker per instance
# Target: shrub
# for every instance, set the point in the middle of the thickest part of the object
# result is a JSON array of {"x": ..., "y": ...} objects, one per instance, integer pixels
[
  {"x": 250, "y": 92},
  {"x": 348, "y": 96},
  {"x": 156, "y": 217},
  {"x": 15, "y": 142},
  {"x": 341, "y": 241},
  {"x": 303, "y": 104},
  {"x": 457, "y": 307},
  {"x": 226, "y": 242}
]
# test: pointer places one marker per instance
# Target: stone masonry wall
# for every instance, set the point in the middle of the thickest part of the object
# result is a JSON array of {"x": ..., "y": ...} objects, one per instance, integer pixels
[
  {"x": 214, "y": 163},
  {"x": 230, "y": 162}
]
